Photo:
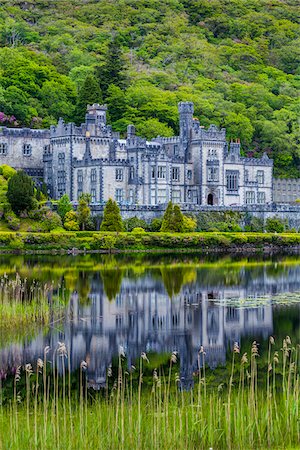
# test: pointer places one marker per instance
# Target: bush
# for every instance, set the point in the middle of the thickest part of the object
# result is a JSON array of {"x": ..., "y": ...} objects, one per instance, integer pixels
[
  {"x": 219, "y": 221},
  {"x": 71, "y": 221},
  {"x": 138, "y": 230},
  {"x": 189, "y": 224},
  {"x": 275, "y": 225},
  {"x": 20, "y": 192},
  {"x": 155, "y": 224},
  {"x": 51, "y": 220},
  {"x": 135, "y": 222},
  {"x": 255, "y": 224},
  {"x": 7, "y": 172}
]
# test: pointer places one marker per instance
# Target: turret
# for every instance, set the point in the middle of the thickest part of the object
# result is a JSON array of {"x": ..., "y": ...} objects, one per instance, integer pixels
[
  {"x": 235, "y": 148},
  {"x": 96, "y": 118},
  {"x": 186, "y": 111}
]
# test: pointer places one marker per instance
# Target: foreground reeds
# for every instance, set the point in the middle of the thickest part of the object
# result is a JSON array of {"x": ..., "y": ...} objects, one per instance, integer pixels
[
  {"x": 248, "y": 411},
  {"x": 25, "y": 305}
]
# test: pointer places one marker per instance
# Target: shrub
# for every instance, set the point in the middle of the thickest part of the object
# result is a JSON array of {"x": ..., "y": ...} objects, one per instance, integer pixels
[
  {"x": 51, "y": 220},
  {"x": 275, "y": 225},
  {"x": 71, "y": 221},
  {"x": 255, "y": 224},
  {"x": 189, "y": 224},
  {"x": 20, "y": 192},
  {"x": 135, "y": 222},
  {"x": 7, "y": 172},
  {"x": 155, "y": 224},
  {"x": 138, "y": 230}
]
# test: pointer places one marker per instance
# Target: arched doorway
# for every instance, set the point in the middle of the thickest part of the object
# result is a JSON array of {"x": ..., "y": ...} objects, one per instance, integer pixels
[{"x": 210, "y": 199}]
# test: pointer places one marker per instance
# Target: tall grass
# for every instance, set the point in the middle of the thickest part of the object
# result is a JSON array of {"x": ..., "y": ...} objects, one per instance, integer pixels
[
  {"x": 244, "y": 412},
  {"x": 24, "y": 305}
]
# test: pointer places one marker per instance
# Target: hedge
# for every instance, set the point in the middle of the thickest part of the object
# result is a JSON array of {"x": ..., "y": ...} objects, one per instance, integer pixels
[{"x": 108, "y": 241}]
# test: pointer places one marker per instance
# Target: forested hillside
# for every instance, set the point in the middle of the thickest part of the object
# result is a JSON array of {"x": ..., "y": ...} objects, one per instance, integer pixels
[{"x": 237, "y": 60}]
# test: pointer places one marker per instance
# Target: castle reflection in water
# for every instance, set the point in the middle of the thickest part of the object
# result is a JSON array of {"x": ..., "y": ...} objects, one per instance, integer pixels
[{"x": 143, "y": 318}]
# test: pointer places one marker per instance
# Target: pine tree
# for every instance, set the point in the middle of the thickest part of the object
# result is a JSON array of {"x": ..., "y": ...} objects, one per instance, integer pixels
[
  {"x": 112, "y": 220},
  {"x": 172, "y": 219},
  {"x": 113, "y": 70},
  {"x": 88, "y": 94},
  {"x": 20, "y": 192},
  {"x": 177, "y": 219},
  {"x": 167, "y": 225}
]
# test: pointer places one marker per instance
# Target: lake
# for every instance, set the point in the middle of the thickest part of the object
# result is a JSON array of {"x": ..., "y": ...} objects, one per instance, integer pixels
[{"x": 156, "y": 304}]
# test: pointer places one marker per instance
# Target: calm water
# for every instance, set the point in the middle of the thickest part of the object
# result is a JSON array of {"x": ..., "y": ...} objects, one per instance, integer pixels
[{"x": 158, "y": 305}]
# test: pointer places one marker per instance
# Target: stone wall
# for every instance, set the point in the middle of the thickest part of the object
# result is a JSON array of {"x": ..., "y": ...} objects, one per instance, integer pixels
[{"x": 289, "y": 212}]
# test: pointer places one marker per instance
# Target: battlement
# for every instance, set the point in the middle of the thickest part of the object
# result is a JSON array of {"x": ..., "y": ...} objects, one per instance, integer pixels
[{"x": 25, "y": 132}]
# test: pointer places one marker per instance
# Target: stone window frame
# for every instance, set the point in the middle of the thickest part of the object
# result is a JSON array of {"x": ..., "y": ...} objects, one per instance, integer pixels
[
  {"x": 27, "y": 150},
  {"x": 93, "y": 175},
  {"x": 161, "y": 196},
  {"x": 213, "y": 174},
  {"x": 175, "y": 173},
  {"x": 61, "y": 159},
  {"x": 119, "y": 174},
  {"x": 161, "y": 172},
  {"x": 131, "y": 196},
  {"x": 119, "y": 195},
  {"x": 260, "y": 177},
  {"x": 176, "y": 199},
  {"x": 232, "y": 180},
  {"x": 93, "y": 195},
  {"x": 261, "y": 198},
  {"x": 3, "y": 148},
  {"x": 131, "y": 173},
  {"x": 61, "y": 181},
  {"x": 250, "y": 197}
]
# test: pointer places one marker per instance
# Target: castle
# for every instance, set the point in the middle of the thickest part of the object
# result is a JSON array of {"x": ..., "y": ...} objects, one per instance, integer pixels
[{"x": 198, "y": 167}]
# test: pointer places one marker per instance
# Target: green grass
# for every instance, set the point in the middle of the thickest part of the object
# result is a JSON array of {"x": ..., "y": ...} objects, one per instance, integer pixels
[{"x": 246, "y": 411}]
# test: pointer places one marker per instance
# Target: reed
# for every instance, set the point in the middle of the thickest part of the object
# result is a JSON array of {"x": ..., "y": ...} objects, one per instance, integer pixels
[
  {"x": 240, "y": 413},
  {"x": 25, "y": 305}
]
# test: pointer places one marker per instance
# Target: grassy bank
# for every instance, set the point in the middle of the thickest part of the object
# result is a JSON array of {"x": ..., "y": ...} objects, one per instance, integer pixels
[
  {"x": 111, "y": 241},
  {"x": 247, "y": 410}
]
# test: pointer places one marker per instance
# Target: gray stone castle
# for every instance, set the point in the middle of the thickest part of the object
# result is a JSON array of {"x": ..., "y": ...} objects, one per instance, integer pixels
[{"x": 198, "y": 167}]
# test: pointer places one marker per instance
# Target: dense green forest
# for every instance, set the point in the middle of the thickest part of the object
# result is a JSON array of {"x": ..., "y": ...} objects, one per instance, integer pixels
[{"x": 237, "y": 60}]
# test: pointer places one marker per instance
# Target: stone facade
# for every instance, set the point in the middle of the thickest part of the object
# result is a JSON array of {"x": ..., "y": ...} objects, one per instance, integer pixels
[
  {"x": 286, "y": 190},
  {"x": 22, "y": 148},
  {"x": 197, "y": 167}
]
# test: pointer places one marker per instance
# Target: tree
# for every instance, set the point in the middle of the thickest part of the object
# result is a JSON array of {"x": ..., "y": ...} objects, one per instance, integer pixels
[
  {"x": 83, "y": 210},
  {"x": 173, "y": 219},
  {"x": 71, "y": 221},
  {"x": 64, "y": 206},
  {"x": 89, "y": 93},
  {"x": 177, "y": 219},
  {"x": 167, "y": 219},
  {"x": 20, "y": 192},
  {"x": 112, "y": 220},
  {"x": 112, "y": 71}
]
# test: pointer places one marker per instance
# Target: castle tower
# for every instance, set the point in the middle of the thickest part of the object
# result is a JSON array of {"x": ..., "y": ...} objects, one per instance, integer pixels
[
  {"x": 186, "y": 111},
  {"x": 95, "y": 118}
]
